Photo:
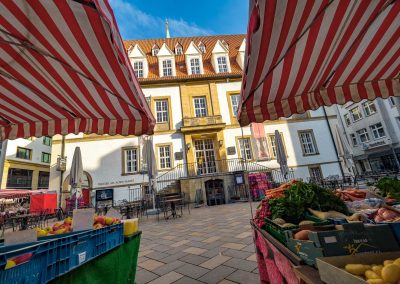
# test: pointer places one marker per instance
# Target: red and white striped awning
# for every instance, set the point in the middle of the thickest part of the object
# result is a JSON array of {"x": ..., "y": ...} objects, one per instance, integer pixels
[
  {"x": 64, "y": 69},
  {"x": 303, "y": 54}
]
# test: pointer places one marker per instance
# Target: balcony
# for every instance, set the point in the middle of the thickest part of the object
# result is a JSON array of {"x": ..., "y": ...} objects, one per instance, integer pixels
[{"x": 199, "y": 123}]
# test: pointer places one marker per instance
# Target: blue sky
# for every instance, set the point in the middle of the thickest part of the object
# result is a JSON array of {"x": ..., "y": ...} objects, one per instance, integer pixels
[{"x": 141, "y": 19}]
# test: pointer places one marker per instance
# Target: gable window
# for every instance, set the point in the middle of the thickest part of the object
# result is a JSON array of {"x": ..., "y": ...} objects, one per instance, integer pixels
[
  {"x": 369, "y": 108},
  {"x": 200, "y": 106},
  {"x": 46, "y": 158},
  {"x": 130, "y": 156},
  {"x": 195, "y": 65},
  {"x": 245, "y": 148},
  {"x": 222, "y": 66},
  {"x": 162, "y": 111},
  {"x": 347, "y": 119},
  {"x": 167, "y": 67},
  {"x": 178, "y": 50},
  {"x": 377, "y": 130},
  {"x": 155, "y": 50},
  {"x": 356, "y": 114},
  {"x": 164, "y": 154},
  {"x": 235, "y": 99},
  {"x": 363, "y": 135},
  {"x": 353, "y": 138},
  {"x": 307, "y": 141},
  {"x": 138, "y": 68},
  {"x": 202, "y": 48},
  {"x": 24, "y": 153}
]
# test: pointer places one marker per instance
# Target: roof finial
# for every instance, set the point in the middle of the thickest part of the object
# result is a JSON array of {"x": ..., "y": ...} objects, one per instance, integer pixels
[{"x": 166, "y": 29}]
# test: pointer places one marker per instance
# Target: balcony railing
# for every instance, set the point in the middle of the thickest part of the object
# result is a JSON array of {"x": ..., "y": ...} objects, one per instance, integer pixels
[
  {"x": 217, "y": 167},
  {"x": 202, "y": 121}
]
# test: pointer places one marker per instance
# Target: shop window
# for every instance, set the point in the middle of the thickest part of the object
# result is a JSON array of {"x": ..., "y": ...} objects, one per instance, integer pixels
[
  {"x": 308, "y": 144},
  {"x": 19, "y": 179},
  {"x": 43, "y": 180},
  {"x": 24, "y": 153}
]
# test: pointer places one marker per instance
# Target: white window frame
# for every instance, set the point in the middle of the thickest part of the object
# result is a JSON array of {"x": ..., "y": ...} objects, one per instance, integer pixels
[
  {"x": 359, "y": 114},
  {"x": 200, "y": 106},
  {"x": 367, "y": 108},
  {"x": 178, "y": 50},
  {"x": 347, "y": 119},
  {"x": 272, "y": 145},
  {"x": 353, "y": 138},
  {"x": 139, "y": 72},
  {"x": 202, "y": 48},
  {"x": 375, "y": 130},
  {"x": 162, "y": 111},
  {"x": 308, "y": 143},
  {"x": 245, "y": 148},
  {"x": 361, "y": 133},
  {"x": 167, "y": 67},
  {"x": 222, "y": 64},
  {"x": 235, "y": 100},
  {"x": 154, "y": 51},
  {"x": 131, "y": 160},
  {"x": 164, "y": 157},
  {"x": 193, "y": 66}
]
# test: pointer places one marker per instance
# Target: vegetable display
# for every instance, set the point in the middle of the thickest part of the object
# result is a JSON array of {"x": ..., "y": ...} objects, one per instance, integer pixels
[
  {"x": 262, "y": 212},
  {"x": 389, "y": 187},
  {"x": 388, "y": 273},
  {"x": 350, "y": 194},
  {"x": 299, "y": 197}
]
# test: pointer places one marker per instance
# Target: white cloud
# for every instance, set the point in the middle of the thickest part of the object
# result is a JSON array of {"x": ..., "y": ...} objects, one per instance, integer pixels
[{"x": 136, "y": 24}]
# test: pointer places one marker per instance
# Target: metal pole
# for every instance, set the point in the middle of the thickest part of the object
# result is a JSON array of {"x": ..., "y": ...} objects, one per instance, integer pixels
[
  {"x": 244, "y": 171},
  {"x": 62, "y": 172},
  {"x": 333, "y": 141},
  {"x": 3, "y": 151}
]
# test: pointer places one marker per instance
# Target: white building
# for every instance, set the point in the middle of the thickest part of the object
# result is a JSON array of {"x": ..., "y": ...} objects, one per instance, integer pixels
[
  {"x": 372, "y": 128},
  {"x": 25, "y": 163},
  {"x": 193, "y": 87}
]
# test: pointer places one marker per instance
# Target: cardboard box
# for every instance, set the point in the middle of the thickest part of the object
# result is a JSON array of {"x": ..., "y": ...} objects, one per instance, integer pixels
[
  {"x": 331, "y": 269},
  {"x": 355, "y": 238}
]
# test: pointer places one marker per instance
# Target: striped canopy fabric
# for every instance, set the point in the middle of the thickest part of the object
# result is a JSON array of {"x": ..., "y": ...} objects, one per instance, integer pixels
[
  {"x": 64, "y": 69},
  {"x": 303, "y": 54}
]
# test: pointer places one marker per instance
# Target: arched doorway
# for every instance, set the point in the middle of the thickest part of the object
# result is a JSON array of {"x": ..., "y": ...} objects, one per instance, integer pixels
[
  {"x": 87, "y": 185},
  {"x": 215, "y": 192}
]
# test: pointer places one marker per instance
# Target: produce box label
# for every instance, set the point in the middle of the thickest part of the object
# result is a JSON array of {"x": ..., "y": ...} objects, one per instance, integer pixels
[
  {"x": 20, "y": 237},
  {"x": 82, "y": 219}
]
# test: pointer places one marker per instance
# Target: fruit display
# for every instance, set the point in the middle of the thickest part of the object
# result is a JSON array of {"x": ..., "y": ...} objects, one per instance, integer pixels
[
  {"x": 66, "y": 226},
  {"x": 262, "y": 212},
  {"x": 350, "y": 194},
  {"x": 386, "y": 273},
  {"x": 386, "y": 215}
]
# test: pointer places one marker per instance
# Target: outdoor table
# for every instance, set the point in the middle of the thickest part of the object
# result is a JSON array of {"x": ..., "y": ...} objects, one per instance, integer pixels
[
  {"x": 171, "y": 203},
  {"x": 116, "y": 266},
  {"x": 277, "y": 264}
]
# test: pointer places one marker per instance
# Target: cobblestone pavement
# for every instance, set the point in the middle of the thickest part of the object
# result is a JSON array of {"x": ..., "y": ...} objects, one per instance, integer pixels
[{"x": 211, "y": 245}]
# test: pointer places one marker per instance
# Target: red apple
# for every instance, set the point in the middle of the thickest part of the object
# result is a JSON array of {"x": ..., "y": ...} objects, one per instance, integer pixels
[{"x": 100, "y": 220}]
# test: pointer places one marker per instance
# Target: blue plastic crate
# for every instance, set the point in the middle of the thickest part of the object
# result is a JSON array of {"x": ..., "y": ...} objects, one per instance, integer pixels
[
  {"x": 56, "y": 255},
  {"x": 41, "y": 268}
]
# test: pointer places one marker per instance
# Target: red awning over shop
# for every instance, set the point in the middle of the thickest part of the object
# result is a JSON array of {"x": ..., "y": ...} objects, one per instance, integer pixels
[
  {"x": 18, "y": 193},
  {"x": 304, "y": 54},
  {"x": 64, "y": 69}
]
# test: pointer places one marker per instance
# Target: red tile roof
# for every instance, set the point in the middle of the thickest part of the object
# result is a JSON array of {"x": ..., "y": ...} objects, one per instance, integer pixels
[{"x": 234, "y": 42}]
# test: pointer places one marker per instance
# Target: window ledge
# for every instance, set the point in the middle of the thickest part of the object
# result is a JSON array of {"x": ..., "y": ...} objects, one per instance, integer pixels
[
  {"x": 315, "y": 154},
  {"x": 129, "y": 174}
]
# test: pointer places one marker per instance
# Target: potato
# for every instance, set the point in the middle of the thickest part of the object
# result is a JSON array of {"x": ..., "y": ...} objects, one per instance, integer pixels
[
  {"x": 306, "y": 222},
  {"x": 369, "y": 274},
  {"x": 387, "y": 262},
  {"x": 391, "y": 273},
  {"x": 279, "y": 221},
  {"x": 356, "y": 269},
  {"x": 302, "y": 235},
  {"x": 375, "y": 281},
  {"x": 377, "y": 269},
  {"x": 286, "y": 225},
  {"x": 397, "y": 261}
]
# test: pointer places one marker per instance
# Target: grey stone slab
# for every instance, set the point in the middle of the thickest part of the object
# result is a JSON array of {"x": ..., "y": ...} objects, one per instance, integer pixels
[
  {"x": 187, "y": 280},
  {"x": 157, "y": 255},
  {"x": 193, "y": 271},
  {"x": 166, "y": 268},
  {"x": 194, "y": 259},
  {"x": 143, "y": 276},
  {"x": 174, "y": 257},
  {"x": 161, "y": 248},
  {"x": 249, "y": 248},
  {"x": 241, "y": 264},
  {"x": 237, "y": 253},
  {"x": 217, "y": 274},
  {"x": 174, "y": 250},
  {"x": 244, "y": 277}
]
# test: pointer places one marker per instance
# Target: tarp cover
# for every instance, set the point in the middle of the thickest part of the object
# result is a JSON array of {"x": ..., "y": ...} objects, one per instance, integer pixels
[{"x": 43, "y": 202}]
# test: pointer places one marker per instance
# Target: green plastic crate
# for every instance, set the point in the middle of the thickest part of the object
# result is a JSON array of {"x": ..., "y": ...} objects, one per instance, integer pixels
[{"x": 278, "y": 232}]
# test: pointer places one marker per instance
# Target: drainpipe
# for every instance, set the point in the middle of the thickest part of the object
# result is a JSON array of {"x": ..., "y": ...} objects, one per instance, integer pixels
[
  {"x": 62, "y": 172},
  {"x": 333, "y": 141}
]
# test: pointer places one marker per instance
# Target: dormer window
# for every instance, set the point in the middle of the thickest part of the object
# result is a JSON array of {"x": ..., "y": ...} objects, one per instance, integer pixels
[
  {"x": 222, "y": 66},
  {"x": 138, "y": 68},
  {"x": 202, "y": 47},
  {"x": 155, "y": 49},
  {"x": 178, "y": 49},
  {"x": 225, "y": 44},
  {"x": 195, "y": 65},
  {"x": 167, "y": 67}
]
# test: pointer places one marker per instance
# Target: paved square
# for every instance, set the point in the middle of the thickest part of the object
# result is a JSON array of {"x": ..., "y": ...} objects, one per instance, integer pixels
[{"x": 211, "y": 245}]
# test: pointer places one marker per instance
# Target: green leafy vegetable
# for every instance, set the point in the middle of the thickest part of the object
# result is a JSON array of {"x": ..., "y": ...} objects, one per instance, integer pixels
[{"x": 389, "y": 187}]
